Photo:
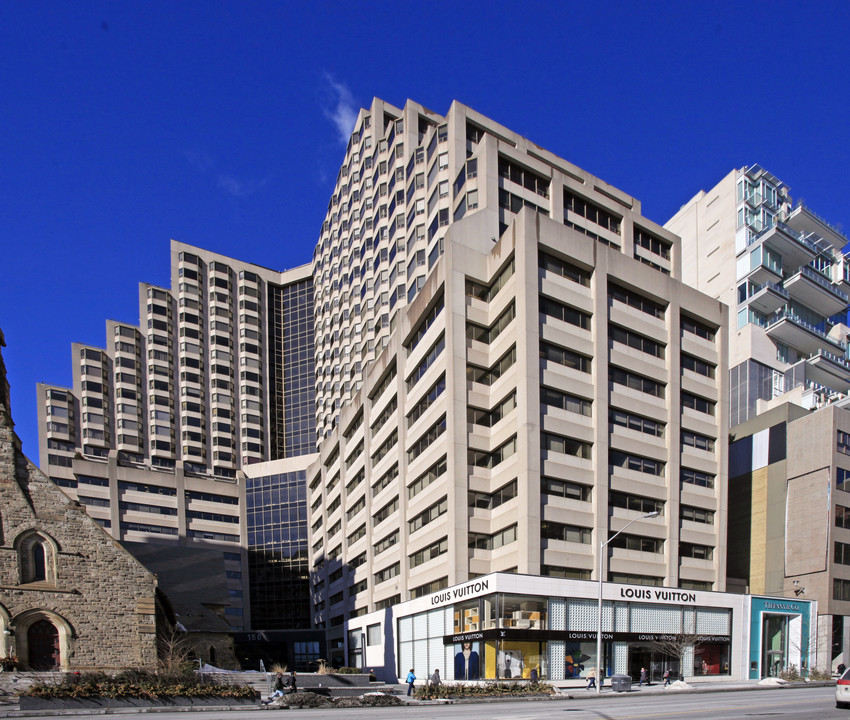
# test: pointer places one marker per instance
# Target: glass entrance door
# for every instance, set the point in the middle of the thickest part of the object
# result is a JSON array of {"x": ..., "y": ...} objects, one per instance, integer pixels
[{"x": 774, "y": 644}]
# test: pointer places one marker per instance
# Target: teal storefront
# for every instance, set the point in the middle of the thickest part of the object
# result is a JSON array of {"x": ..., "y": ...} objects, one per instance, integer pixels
[{"x": 779, "y": 636}]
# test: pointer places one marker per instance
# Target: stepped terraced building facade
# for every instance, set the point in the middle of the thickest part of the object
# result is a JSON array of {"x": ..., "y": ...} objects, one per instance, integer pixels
[
  {"x": 167, "y": 429},
  {"x": 509, "y": 369}
]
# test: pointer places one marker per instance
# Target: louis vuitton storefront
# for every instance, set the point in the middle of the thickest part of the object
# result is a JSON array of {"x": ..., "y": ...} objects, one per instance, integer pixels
[{"x": 509, "y": 627}]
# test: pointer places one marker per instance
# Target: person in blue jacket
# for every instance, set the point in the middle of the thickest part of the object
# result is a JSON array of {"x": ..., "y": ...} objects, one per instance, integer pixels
[{"x": 411, "y": 678}]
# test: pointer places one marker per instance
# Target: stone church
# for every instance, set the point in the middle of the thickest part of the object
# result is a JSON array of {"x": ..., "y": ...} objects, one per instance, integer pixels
[{"x": 71, "y": 597}]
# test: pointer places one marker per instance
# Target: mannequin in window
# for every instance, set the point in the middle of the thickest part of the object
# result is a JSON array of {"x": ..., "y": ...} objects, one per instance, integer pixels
[{"x": 467, "y": 664}]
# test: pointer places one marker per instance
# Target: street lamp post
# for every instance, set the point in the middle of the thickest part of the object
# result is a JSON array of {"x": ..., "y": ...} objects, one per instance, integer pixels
[{"x": 602, "y": 545}]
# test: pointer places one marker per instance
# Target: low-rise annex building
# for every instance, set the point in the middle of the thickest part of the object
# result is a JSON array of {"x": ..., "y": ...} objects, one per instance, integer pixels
[{"x": 71, "y": 598}]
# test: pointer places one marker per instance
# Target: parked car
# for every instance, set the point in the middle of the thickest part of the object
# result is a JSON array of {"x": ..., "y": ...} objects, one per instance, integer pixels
[{"x": 842, "y": 690}]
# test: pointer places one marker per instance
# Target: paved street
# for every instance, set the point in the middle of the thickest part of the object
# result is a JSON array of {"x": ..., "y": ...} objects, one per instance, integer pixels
[{"x": 798, "y": 703}]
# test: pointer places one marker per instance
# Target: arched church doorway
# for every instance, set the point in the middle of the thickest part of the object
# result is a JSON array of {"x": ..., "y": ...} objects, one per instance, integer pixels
[{"x": 43, "y": 645}]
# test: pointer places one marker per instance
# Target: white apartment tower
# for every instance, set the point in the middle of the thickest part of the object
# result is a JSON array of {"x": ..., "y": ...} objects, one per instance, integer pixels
[
  {"x": 509, "y": 369},
  {"x": 782, "y": 268}
]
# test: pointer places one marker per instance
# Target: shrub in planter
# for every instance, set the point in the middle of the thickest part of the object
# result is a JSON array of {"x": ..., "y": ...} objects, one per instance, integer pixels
[
  {"x": 9, "y": 663},
  {"x": 490, "y": 689},
  {"x": 138, "y": 684}
]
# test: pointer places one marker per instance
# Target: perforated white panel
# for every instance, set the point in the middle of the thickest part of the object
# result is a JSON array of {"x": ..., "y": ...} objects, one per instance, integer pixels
[
  {"x": 405, "y": 627},
  {"x": 621, "y": 658},
  {"x": 689, "y": 620},
  {"x": 582, "y": 615},
  {"x": 688, "y": 661},
  {"x": 556, "y": 660},
  {"x": 715, "y": 621},
  {"x": 656, "y": 618},
  {"x": 621, "y": 618},
  {"x": 557, "y": 614}
]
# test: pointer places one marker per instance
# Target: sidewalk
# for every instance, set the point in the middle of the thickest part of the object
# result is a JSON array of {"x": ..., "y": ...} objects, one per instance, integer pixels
[{"x": 11, "y": 710}]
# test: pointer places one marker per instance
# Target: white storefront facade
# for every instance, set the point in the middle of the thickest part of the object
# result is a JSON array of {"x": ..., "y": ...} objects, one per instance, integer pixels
[{"x": 509, "y": 627}]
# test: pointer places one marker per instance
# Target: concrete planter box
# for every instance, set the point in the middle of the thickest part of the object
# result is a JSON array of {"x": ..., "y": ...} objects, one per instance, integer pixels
[{"x": 37, "y": 703}]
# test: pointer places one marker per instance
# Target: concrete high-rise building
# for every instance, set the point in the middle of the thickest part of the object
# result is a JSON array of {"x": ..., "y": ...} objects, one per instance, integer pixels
[
  {"x": 509, "y": 370},
  {"x": 784, "y": 271},
  {"x": 161, "y": 425}
]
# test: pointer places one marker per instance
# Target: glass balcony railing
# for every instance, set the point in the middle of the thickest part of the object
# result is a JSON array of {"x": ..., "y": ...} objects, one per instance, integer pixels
[
  {"x": 838, "y": 231},
  {"x": 819, "y": 329},
  {"x": 817, "y": 277},
  {"x": 837, "y": 359},
  {"x": 790, "y": 232},
  {"x": 773, "y": 286}
]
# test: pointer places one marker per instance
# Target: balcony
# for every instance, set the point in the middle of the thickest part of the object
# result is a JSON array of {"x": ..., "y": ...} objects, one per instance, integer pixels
[
  {"x": 795, "y": 249},
  {"x": 802, "y": 220},
  {"x": 768, "y": 298},
  {"x": 785, "y": 327},
  {"x": 763, "y": 273},
  {"x": 841, "y": 273},
  {"x": 827, "y": 369},
  {"x": 813, "y": 290}
]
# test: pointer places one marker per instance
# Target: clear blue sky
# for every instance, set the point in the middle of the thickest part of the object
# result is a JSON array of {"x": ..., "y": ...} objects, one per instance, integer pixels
[{"x": 125, "y": 124}]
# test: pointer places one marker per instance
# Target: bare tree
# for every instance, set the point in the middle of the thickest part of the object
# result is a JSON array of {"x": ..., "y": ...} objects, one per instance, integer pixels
[
  {"x": 174, "y": 653},
  {"x": 677, "y": 645}
]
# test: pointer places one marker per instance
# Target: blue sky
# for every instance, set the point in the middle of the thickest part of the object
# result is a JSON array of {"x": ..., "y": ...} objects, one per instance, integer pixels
[{"x": 125, "y": 124}]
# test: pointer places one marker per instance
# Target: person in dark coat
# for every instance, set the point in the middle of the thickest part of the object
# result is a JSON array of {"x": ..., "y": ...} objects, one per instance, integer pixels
[{"x": 277, "y": 689}]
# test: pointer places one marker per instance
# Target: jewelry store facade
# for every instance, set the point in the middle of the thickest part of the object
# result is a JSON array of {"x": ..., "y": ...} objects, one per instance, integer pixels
[{"x": 506, "y": 626}]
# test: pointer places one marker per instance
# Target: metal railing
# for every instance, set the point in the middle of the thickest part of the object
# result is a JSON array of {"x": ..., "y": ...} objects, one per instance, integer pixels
[
  {"x": 817, "y": 277},
  {"x": 837, "y": 359},
  {"x": 786, "y": 314},
  {"x": 790, "y": 232},
  {"x": 838, "y": 231}
]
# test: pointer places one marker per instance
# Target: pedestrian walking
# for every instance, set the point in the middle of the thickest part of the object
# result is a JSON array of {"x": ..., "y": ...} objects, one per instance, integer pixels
[
  {"x": 642, "y": 676},
  {"x": 666, "y": 677},
  {"x": 591, "y": 678},
  {"x": 435, "y": 679},
  {"x": 411, "y": 678}
]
